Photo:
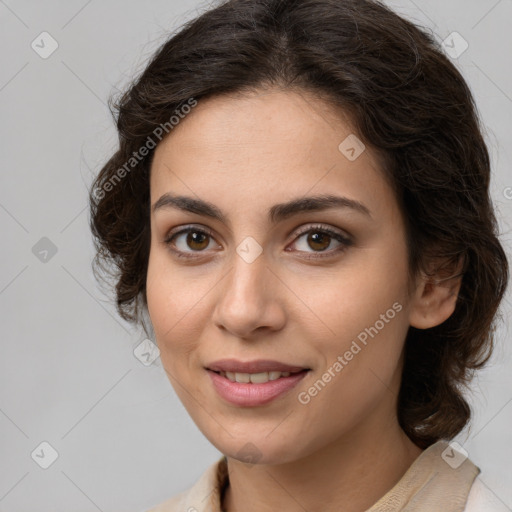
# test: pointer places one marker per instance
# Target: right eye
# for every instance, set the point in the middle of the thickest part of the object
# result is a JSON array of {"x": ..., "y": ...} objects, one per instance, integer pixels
[{"x": 197, "y": 239}]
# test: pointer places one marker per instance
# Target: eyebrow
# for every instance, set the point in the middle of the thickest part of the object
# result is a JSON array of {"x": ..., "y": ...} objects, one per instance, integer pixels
[{"x": 276, "y": 213}]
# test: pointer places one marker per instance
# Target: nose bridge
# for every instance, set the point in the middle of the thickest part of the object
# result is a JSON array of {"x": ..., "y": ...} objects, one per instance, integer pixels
[
  {"x": 248, "y": 299},
  {"x": 247, "y": 281}
]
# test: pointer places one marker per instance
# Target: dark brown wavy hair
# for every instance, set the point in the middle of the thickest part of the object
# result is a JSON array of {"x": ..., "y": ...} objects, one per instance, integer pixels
[{"x": 406, "y": 100}]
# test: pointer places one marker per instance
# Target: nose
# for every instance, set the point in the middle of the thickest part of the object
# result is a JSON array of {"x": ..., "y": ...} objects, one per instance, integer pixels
[{"x": 250, "y": 299}]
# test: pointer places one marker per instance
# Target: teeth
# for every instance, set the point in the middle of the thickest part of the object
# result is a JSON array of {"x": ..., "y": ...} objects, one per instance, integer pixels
[
  {"x": 255, "y": 378},
  {"x": 242, "y": 377}
]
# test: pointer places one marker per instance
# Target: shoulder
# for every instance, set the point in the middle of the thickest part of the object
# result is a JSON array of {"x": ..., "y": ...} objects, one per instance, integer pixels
[{"x": 482, "y": 499}]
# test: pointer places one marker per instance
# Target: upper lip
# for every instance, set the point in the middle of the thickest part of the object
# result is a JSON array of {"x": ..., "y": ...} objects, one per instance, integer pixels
[{"x": 256, "y": 366}]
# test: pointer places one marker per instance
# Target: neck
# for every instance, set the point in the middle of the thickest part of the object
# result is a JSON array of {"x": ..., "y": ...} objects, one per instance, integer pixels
[{"x": 354, "y": 472}]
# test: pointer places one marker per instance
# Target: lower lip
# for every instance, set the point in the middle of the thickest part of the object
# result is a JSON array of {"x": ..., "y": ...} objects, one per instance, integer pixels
[{"x": 249, "y": 394}]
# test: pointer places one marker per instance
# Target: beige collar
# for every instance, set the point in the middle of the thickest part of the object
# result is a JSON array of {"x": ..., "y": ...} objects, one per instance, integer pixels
[{"x": 429, "y": 484}]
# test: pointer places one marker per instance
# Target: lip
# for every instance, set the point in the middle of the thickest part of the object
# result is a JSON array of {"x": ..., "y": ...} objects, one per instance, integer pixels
[
  {"x": 256, "y": 366},
  {"x": 250, "y": 394}
]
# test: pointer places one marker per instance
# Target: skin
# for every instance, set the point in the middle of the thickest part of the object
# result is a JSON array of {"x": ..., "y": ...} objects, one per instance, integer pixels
[{"x": 245, "y": 154}]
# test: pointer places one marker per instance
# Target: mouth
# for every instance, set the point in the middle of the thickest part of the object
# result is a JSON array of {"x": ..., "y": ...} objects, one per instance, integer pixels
[
  {"x": 254, "y": 366},
  {"x": 254, "y": 389},
  {"x": 256, "y": 378}
]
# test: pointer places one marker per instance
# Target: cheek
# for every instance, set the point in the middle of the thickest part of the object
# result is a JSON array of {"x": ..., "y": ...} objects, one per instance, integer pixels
[
  {"x": 369, "y": 286},
  {"x": 362, "y": 310},
  {"x": 174, "y": 306},
  {"x": 360, "y": 364}
]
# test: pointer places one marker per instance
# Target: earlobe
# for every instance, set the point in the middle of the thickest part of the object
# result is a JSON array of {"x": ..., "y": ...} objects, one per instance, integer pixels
[{"x": 434, "y": 300}]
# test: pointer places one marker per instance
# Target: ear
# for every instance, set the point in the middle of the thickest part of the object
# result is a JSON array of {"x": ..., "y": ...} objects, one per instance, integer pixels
[{"x": 435, "y": 296}]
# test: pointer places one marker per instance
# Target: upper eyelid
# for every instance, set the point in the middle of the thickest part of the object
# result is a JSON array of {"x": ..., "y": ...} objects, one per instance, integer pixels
[
  {"x": 321, "y": 227},
  {"x": 186, "y": 228}
]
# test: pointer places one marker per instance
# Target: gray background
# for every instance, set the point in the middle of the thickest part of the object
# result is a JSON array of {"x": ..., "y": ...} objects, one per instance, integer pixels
[{"x": 68, "y": 372}]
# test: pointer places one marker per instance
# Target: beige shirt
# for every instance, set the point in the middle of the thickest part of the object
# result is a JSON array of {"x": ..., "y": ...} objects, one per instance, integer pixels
[{"x": 439, "y": 480}]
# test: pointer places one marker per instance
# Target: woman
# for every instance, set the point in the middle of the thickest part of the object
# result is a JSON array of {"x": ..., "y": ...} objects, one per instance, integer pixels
[{"x": 300, "y": 203}]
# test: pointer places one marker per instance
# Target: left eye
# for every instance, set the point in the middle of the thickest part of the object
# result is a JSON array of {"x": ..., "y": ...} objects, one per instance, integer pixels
[{"x": 318, "y": 238}]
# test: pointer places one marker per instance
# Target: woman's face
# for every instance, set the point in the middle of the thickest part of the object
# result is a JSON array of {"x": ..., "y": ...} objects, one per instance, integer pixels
[{"x": 262, "y": 281}]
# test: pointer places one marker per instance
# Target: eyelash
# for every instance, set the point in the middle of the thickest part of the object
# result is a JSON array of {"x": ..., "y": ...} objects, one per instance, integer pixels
[{"x": 345, "y": 241}]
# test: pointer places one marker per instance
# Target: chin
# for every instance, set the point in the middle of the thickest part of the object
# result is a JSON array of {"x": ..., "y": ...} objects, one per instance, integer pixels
[{"x": 258, "y": 449}]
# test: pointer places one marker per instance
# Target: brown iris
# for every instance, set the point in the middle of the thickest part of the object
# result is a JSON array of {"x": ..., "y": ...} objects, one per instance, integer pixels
[
  {"x": 319, "y": 238},
  {"x": 197, "y": 238}
]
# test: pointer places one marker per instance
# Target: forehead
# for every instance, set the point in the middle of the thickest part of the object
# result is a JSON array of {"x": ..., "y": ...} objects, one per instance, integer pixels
[
  {"x": 265, "y": 147},
  {"x": 258, "y": 120}
]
